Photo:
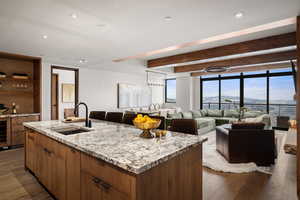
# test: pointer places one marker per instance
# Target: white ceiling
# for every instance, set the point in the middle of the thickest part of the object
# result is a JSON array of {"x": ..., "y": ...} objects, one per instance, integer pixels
[{"x": 131, "y": 27}]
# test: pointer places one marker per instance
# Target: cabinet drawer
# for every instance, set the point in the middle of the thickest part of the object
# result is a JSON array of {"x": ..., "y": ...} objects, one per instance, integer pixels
[
  {"x": 119, "y": 180},
  {"x": 93, "y": 189}
]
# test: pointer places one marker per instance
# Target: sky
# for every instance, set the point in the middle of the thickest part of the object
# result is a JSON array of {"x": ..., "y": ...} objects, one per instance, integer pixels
[
  {"x": 171, "y": 88},
  {"x": 281, "y": 88}
]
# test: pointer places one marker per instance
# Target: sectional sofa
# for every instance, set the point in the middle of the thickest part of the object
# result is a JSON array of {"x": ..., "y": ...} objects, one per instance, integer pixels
[{"x": 207, "y": 119}]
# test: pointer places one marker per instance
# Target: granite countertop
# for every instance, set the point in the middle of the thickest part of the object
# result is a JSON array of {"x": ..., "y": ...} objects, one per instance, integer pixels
[
  {"x": 120, "y": 144},
  {"x": 18, "y": 115}
]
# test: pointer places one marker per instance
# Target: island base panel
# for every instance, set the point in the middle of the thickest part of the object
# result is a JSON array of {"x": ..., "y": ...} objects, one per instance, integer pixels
[{"x": 71, "y": 174}]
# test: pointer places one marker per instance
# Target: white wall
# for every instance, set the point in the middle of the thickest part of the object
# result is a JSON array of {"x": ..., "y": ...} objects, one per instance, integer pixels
[
  {"x": 158, "y": 94},
  {"x": 64, "y": 76},
  {"x": 97, "y": 88},
  {"x": 183, "y": 93},
  {"x": 187, "y": 93}
]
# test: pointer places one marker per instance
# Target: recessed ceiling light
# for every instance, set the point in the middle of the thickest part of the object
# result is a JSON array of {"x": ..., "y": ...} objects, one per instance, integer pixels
[
  {"x": 45, "y": 36},
  {"x": 74, "y": 16},
  {"x": 239, "y": 15},
  {"x": 168, "y": 18},
  {"x": 83, "y": 61}
]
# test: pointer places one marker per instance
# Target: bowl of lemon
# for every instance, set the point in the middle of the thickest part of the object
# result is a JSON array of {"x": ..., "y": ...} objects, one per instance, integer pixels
[{"x": 146, "y": 124}]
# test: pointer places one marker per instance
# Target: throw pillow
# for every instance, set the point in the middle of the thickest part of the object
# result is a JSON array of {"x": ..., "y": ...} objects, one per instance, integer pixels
[
  {"x": 187, "y": 115},
  {"x": 175, "y": 116},
  {"x": 214, "y": 113},
  {"x": 196, "y": 114},
  {"x": 252, "y": 114},
  {"x": 231, "y": 113},
  {"x": 203, "y": 112}
]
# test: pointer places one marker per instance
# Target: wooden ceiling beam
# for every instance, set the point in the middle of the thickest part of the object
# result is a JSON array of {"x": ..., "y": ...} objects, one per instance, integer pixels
[
  {"x": 271, "y": 42},
  {"x": 246, "y": 69},
  {"x": 249, "y": 60}
]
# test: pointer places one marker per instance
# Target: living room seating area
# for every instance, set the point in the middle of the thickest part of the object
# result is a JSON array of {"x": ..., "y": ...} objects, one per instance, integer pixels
[{"x": 208, "y": 119}]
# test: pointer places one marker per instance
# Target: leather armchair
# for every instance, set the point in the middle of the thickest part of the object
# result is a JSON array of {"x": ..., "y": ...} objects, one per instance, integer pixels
[{"x": 243, "y": 145}]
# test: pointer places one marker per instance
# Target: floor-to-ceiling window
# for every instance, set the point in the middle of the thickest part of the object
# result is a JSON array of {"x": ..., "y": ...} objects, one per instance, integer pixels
[
  {"x": 170, "y": 91},
  {"x": 268, "y": 91},
  {"x": 211, "y": 94},
  {"x": 255, "y": 93},
  {"x": 282, "y": 92},
  {"x": 230, "y": 93}
]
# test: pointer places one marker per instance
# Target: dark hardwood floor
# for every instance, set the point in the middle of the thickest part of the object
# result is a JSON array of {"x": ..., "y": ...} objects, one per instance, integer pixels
[
  {"x": 18, "y": 184},
  {"x": 281, "y": 185}
]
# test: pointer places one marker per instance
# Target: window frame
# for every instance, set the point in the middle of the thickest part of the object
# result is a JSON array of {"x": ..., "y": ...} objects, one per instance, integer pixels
[
  {"x": 267, "y": 74},
  {"x": 166, "y": 94}
]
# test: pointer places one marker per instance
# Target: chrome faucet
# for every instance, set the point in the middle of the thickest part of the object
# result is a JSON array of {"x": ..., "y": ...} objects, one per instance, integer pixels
[{"x": 88, "y": 123}]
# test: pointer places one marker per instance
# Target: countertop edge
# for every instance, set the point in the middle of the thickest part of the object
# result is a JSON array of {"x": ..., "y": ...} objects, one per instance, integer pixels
[{"x": 18, "y": 115}]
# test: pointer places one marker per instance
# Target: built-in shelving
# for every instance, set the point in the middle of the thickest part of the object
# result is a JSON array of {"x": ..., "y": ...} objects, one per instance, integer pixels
[{"x": 25, "y": 93}]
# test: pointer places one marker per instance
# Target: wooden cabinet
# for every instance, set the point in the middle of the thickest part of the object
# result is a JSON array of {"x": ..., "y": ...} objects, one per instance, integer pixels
[
  {"x": 106, "y": 181},
  {"x": 31, "y": 151},
  {"x": 73, "y": 175},
  {"x": 18, "y": 130},
  {"x": 43, "y": 163},
  {"x": 50, "y": 164},
  {"x": 73, "y": 178},
  {"x": 90, "y": 189},
  {"x": 58, "y": 169},
  {"x": 112, "y": 181},
  {"x": 93, "y": 188}
]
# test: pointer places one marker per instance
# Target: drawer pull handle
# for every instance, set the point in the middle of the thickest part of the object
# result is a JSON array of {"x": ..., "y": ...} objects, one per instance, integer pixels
[
  {"x": 47, "y": 151},
  {"x": 105, "y": 186},
  {"x": 96, "y": 180},
  {"x": 101, "y": 183}
]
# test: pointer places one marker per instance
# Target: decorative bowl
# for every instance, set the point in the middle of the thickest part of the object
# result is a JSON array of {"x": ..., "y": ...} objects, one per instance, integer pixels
[{"x": 147, "y": 127}]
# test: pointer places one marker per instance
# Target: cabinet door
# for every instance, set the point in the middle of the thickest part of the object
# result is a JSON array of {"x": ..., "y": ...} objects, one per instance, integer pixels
[
  {"x": 73, "y": 174},
  {"x": 90, "y": 188},
  {"x": 17, "y": 128},
  {"x": 31, "y": 154},
  {"x": 58, "y": 169},
  {"x": 43, "y": 161}
]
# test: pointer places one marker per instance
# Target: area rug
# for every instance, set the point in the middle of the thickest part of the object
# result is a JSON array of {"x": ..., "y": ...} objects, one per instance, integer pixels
[{"x": 215, "y": 161}]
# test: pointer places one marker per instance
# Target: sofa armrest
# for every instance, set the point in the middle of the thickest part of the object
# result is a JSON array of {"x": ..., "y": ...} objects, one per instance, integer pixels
[
  {"x": 222, "y": 130},
  {"x": 265, "y": 118}
]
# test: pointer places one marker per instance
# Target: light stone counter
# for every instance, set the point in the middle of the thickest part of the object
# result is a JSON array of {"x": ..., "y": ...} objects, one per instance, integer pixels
[{"x": 120, "y": 144}]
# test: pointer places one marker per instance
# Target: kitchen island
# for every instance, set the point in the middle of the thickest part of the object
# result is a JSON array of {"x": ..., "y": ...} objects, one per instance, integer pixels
[{"x": 112, "y": 162}]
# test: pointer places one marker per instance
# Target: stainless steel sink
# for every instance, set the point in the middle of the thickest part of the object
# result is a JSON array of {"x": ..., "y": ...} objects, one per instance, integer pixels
[{"x": 70, "y": 130}]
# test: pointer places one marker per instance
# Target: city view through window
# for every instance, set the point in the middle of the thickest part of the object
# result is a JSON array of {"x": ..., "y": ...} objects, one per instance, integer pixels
[
  {"x": 170, "y": 91},
  {"x": 271, "y": 92}
]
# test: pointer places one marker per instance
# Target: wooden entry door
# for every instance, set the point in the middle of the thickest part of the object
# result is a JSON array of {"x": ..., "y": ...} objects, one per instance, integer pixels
[{"x": 54, "y": 97}]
